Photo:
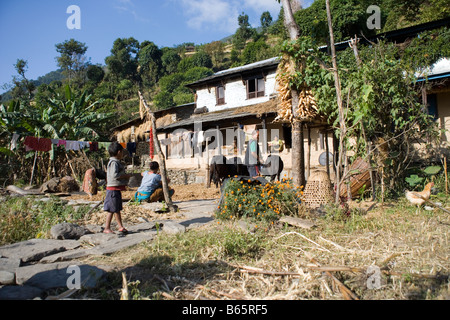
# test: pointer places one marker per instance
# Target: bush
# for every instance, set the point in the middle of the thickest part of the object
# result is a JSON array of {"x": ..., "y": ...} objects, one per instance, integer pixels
[{"x": 267, "y": 203}]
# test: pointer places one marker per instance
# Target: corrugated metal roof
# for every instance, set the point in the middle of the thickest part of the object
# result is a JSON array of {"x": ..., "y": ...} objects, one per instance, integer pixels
[{"x": 229, "y": 72}]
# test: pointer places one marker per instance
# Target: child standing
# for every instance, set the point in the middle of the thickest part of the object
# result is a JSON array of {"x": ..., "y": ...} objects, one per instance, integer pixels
[{"x": 116, "y": 181}]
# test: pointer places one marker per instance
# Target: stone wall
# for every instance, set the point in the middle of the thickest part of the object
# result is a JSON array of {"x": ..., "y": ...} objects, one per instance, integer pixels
[{"x": 181, "y": 177}]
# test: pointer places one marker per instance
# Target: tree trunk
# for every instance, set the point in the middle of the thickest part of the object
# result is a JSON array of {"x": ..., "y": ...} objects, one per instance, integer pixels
[
  {"x": 298, "y": 167},
  {"x": 339, "y": 103},
  {"x": 162, "y": 166}
]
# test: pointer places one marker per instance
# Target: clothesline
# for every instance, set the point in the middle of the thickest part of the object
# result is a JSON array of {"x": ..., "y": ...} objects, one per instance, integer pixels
[{"x": 46, "y": 144}]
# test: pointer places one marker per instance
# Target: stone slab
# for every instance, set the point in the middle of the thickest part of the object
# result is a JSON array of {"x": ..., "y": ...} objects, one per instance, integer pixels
[
  {"x": 20, "y": 293},
  {"x": 121, "y": 243},
  {"x": 56, "y": 275},
  {"x": 9, "y": 264},
  {"x": 36, "y": 249}
]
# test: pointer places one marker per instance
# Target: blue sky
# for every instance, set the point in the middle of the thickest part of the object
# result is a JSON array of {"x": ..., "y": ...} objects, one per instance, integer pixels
[{"x": 30, "y": 29}]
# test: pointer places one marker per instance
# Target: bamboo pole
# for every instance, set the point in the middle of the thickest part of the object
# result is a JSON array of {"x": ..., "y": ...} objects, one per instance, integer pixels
[
  {"x": 162, "y": 166},
  {"x": 34, "y": 165},
  {"x": 337, "y": 83},
  {"x": 446, "y": 179}
]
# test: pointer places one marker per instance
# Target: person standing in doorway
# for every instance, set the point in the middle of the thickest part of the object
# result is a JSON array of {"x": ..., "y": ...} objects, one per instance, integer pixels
[{"x": 253, "y": 155}]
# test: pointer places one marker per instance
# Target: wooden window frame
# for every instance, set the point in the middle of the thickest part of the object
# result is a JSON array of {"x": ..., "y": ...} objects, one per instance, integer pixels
[
  {"x": 259, "y": 92},
  {"x": 220, "y": 101}
]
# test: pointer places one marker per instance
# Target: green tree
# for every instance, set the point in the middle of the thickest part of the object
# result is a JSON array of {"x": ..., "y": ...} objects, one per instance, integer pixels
[
  {"x": 150, "y": 63},
  {"x": 23, "y": 88},
  {"x": 72, "y": 59},
  {"x": 95, "y": 73},
  {"x": 266, "y": 20},
  {"x": 257, "y": 51},
  {"x": 243, "y": 33},
  {"x": 163, "y": 100},
  {"x": 170, "y": 59},
  {"x": 123, "y": 61}
]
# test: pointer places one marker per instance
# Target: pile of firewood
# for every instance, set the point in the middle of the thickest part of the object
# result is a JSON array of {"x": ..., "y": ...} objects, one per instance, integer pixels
[{"x": 306, "y": 109}]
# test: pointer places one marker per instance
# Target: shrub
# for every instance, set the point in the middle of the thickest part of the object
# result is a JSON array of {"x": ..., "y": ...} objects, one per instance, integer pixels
[{"x": 250, "y": 200}]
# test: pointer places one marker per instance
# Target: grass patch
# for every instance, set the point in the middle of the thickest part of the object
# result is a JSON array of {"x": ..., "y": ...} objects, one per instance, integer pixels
[
  {"x": 24, "y": 218},
  {"x": 410, "y": 246}
]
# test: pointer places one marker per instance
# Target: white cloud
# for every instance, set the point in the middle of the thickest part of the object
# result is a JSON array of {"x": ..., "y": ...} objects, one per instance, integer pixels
[
  {"x": 222, "y": 15},
  {"x": 216, "y": 14}
]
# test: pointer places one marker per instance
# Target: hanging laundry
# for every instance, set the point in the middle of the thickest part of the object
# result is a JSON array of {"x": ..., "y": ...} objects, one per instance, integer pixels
[
  {"x": 38, "y": 144},
  {"x": 14, "y": 139},
  {"x": 61, "y": 143},
  {"x": 131, "y": 147},
  {"x": 83, "y": 144},
  {"x": 93, "y": 146},
  {"x": 55, "y": 141},
  {"x": 72, "y": 145}
]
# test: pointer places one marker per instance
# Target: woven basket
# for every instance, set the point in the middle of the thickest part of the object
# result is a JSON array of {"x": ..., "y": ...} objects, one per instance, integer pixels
[{"x": 317, "y": 190}]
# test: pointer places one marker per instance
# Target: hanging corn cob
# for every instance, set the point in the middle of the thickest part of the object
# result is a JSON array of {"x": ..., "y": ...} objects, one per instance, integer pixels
[{"x": 306, "y": 109}]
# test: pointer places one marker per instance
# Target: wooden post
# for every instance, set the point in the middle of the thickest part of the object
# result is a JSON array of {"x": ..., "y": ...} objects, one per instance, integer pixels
[
  {"x": 337, "y": 84},
  {"x": 446, "y": 179},
  {"x": 208, "y": 169},
  {"x": 162, "y": 166},
  {"x": 308, "y": 154},
  {"x": 302, "y": 156},
  {"x": 34, "y": 165},
  {"x": 327, "y": 150}
]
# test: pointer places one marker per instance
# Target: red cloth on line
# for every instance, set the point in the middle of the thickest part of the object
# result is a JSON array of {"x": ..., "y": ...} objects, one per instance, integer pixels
[
  {"x": 152, "y": 147},
  {"x": 93, "y": 146},
  {"x": 38, "y": 144}
]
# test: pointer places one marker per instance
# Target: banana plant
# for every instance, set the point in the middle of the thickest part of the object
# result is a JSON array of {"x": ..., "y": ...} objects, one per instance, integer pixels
[{"x": 71, "y": 117}]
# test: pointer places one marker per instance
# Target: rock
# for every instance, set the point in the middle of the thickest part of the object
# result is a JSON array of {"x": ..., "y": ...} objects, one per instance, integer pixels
[
  {"x": 56, "y": 275},
  {"x": 120, "y": 243},
  {"x": 152, "y": 206},
  {"x": 66, "y": 255},
  {"x": 36, "y": 249},
  {"x": 246, "y": 227},
  {"x": 9, "y": 264},
  {"x": 20, "y": 293},
  {"x": 141, "y": 219},
  {"x": 135, "y": 180},
  {"x": 297, "y": 222},
  {"x": 141, "y": 227},
  {"x": 7, "y": 277},
  {"x": 64, "y": 231},
  {"x": 51, "y": 185},
  {"x": 172, "y": 227},
  {"x": 94, "y": 228},
  {"x": 96, "y": 239}
]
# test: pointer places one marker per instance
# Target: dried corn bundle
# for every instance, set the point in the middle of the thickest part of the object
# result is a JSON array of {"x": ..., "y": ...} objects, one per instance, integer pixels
[{"x": 306, "y": 109}]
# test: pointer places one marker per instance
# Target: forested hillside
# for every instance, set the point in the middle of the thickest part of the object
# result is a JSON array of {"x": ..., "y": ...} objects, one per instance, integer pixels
[{"x": 162, "y": 72}]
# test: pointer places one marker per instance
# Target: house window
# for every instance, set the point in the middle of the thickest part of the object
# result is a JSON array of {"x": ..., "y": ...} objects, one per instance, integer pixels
[
  {"x": 220, "y": 95},
  {"x": 432, "y": 106},
  {"x": 255, "y": 88}
]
